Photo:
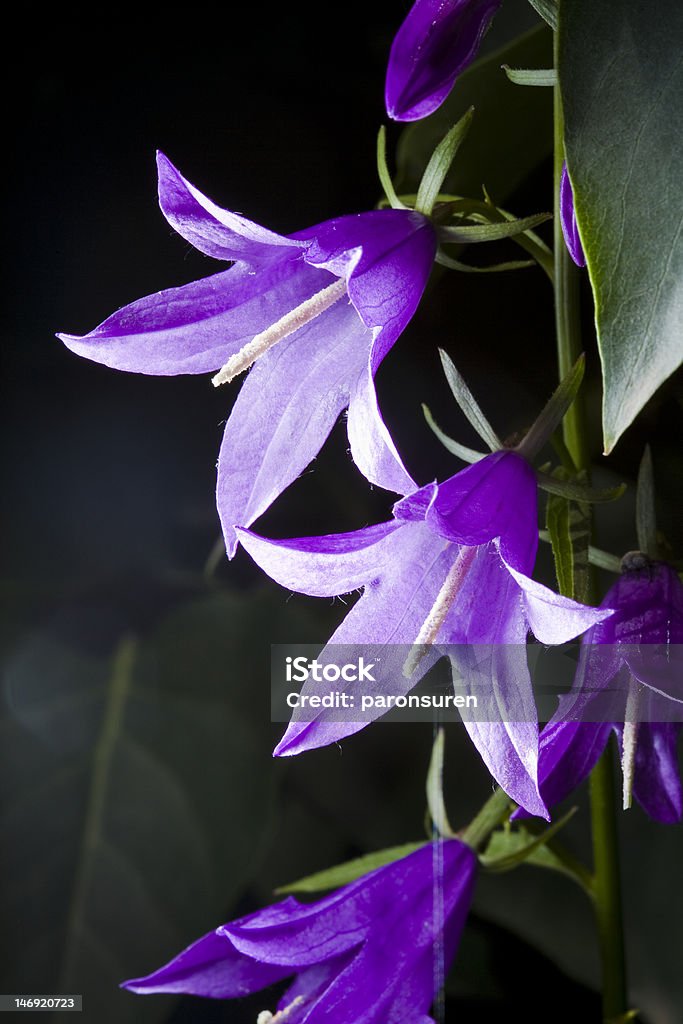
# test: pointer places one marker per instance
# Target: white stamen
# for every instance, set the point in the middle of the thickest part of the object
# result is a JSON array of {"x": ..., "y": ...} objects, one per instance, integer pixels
[
  {"x": 630, "y": 741},
  {"x": 286, "y": 325},
  {"x": 445, "y": 598},
  {"x": 266, "y": 1017}
]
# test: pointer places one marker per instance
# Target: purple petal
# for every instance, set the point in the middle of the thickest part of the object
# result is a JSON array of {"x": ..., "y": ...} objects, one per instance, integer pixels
[
  {"x": 437, "y": 41},
  {"x": 414, "y": 507},
  {"x": 210, "y": 967},
  {"x": 372, "y": 447},
  {"x": 568, "y": 753},
  {"x": 216, "y": 232},
  {"x": 195, "y": 328},
  {"x": 493, "y": 498},
  {"x": 570, "y": 228},
  {"x": 325, "y": 566},
  {"x": 386, "y": 619},
  {"x": 552, "y": 618},
  {"x": 285, "y": 410},
  {"x": 386, "y": 257},
  {"x": 656, "y": 782}
]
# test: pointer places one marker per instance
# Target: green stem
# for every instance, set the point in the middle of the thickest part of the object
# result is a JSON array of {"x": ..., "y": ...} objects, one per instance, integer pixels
[
  {"x": 607, "y": 887},
  {"x": 495, "y": 810},
  {"x": 607, "y": 883}
]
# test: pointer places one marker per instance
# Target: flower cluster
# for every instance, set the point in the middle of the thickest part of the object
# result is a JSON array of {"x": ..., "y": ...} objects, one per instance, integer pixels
[{"x": 312, "y": 315}]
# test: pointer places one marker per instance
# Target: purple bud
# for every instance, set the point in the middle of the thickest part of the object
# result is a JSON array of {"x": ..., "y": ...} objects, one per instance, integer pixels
[
  {"x": 437, "y": 41},
  {"x": 568, "y": 218}
]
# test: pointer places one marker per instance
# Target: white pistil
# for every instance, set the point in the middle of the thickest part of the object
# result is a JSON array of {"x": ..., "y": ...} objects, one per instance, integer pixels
[
  {"x": 630, "y": 740},
  {"x": 286, "y": 325},
  {"x": 436, "y": 618}
]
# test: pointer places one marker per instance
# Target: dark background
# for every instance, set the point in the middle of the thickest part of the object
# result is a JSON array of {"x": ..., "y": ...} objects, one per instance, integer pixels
[{"x": 121, "y": 845}]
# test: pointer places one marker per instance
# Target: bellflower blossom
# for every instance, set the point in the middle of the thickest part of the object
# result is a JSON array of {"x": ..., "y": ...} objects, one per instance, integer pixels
[
  {"x": 437, "y": 40},
  {"x": 648, "y": 603},
  {"x": 365, "y": 953},
  {"x": 315, "y": 312},
  {"x": 452, "y": 567},
  {"x": 570, "y": 228}
]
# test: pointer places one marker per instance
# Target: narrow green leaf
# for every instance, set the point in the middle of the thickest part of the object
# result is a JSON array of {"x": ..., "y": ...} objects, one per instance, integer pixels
[
  {"x": 440, "y": 163},
  {"x": 531, "y": 76},
  {"x": 342, "y": 874},
  {"x": 512, "y": 132},
  {"x": 547, "y": 10},
  {"x": 604, "y": 560},
  {"x": 454, "y": 447},
  {"x": 468, "y": 404},
  {"x": 383, "y": 171},
  {"x": 621, "y": 78},
  {"x": 646, "y": 514},
  {"x": 469, "y": 233}
]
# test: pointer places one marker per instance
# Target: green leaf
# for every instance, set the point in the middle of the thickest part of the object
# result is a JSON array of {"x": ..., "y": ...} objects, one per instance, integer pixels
[
  {"x": 342, "y": 874},
  {"x": 440, "y": 163},
  {"x": 554, "y": 410},
  {"x": 621, "y": 78},
  {"x": 547, "y": 10},
  {"x": 492, "y": 268},
  {"x": 510, "y": 136},
  {"x": 531, "y": 76}
]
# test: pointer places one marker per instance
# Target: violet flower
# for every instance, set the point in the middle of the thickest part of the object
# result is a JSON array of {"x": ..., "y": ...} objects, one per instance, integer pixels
[
  {"x": 437, "y": 41},
  {"x": 570, "y": 228},
  {"x": 316, "y": 312},
  {"x": 451, "y": 567},
  {"x": 648, "y": 603},
  {"x": 366, "y": 953}
]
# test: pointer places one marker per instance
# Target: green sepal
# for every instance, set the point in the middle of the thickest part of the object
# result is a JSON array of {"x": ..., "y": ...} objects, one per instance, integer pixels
[
  {"x": 646, "y": 516},
  {"x": 434, "y": 789},
  {"x": 553, "y": 413},
  {"x": 468, "y": 404},
  {"x": 466, "y": 234},
  {"x": 440, "y": 164},
  {"x": 454, "y": 447},
  {"x": 342, "y": 874},
  {"x": 547, "y": 10},
  {"x": 531, "y": 76},
  {"x": 494, "y": 268},
  {"x": 508, "y": 848},
  {"x": 576, "y": 491},
  {"x": 383, "y": 172}
]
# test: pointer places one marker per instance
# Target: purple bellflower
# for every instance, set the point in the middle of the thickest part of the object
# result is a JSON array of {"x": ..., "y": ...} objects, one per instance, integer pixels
[
  {"x": 437, "y": 41},
  {"x": 315, "y": 312},
  {"x": 452, "y": 567},
  {"x": 570, "y": 228},
  {"x": 363, "y": 955},
  {"x": 648, "y": 603}
]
